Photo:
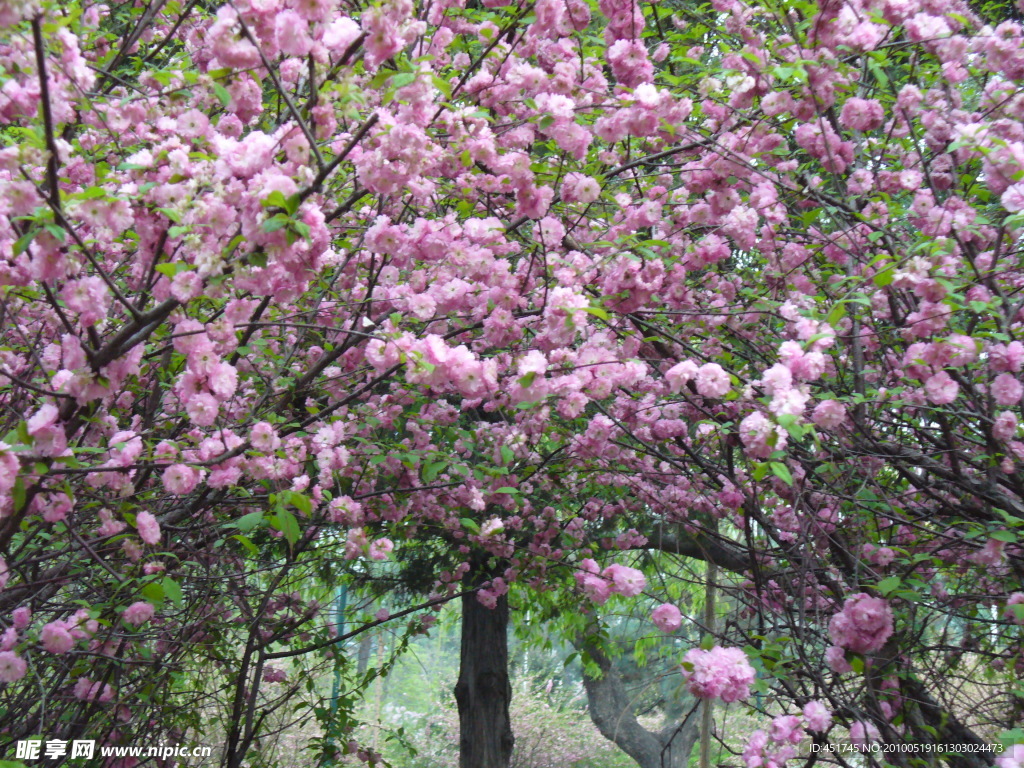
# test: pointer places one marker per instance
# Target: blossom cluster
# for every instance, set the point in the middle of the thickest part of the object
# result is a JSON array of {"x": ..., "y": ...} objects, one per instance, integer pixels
[{"x": 718, "y": 673}]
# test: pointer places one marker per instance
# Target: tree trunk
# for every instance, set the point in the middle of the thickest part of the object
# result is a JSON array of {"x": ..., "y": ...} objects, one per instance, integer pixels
[
  {"x": 483, "y": 691},
  {"x": 612, "y": 713}
]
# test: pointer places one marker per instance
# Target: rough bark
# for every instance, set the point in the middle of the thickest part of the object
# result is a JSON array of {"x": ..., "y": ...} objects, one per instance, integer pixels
[
  {"x": 483, "y": 691},
  {"x": 612, "y": 712}
]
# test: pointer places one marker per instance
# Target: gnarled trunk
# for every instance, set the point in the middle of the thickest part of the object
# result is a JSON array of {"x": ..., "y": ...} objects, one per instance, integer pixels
[
  {"x": 483, "y": 691},
  {"x": 612, "y": 712}
]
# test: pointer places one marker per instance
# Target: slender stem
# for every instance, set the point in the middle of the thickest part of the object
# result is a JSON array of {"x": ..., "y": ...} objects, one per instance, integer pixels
[{"x": 53, "y": 161}]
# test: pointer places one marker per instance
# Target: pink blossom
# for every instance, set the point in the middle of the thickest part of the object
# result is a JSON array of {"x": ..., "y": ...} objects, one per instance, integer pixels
[
  {"x": 712, "y": 380},
  {"x": 55, "y": 638},
  {"x": 991, "y": 554},
  {"x": 941, "y": 389},
  {"x": 186, "y": 286},
  {"x": 861, "y": 114},
  {"x": 21, "y": 616},
  {"x": 87, "y": 690},
  {"x": 1013, "y": 198},
  {"x": 789, "y": 402},
  {"x": 627, "y": 581},
  {"x": 274, "y": 675},
  {"x": 491, "y": 528},
  {"x": 596, "y": 588},
  {"x": 760, "y": 436},
  {"x": 202, "y": 409},
  {"x": 9, "y": 466},
  {"x": 12, "y": 667},
  {"x": 835, "y": 658},
  {"x": 1006, "y": 390},
  {"x": 138, "y": 613},
  {"x": 818, "y": 716},
  {"x": 722, "y": 673},
  {"x": 44, "y": 417},
  {"x": 89, "y": 297},
  {"x": 148, "y": 527},
  {"x": 680, "y": 374},
  {"x": 1012, "y": 758},
  {"x": 380, "y": 549},
  {"x": 786, "y": 728},
  {"x": 630, "y": 62},
  {"x": 193, "y": 123},
  {"x": 863, "y": 625},
  {"x": 778, "y": 378},
  {"x": 340, "y": 34},
  {"x": 223, "y": 380},
  {"x": 533, "y": 362},
  {"x": 924, "y": 26},
  {"x": 829, "y": 414},
  {"x": 578, "y": 188},
  {"x": 1005, "y": 426},
  {"x": 667, "y": 618},
  {"x": 863, "y": 733},
  {"x": 292, "y": 33},
  {"x": 108, "y": 525},
  {"x": 264, "y": 438},
  {"x": 1006, "y": 358},
  {"x": 180, "y": 479}
]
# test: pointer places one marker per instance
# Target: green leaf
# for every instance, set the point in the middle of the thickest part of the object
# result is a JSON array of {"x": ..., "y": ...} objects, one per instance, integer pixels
[
  {"x": 782, "y": 472},
  {"x": 888, "y": 585},
  {"x": 275, "y": 199},
  {"x": 1007, "y": 536},
  {"x": 838, "y": 313},
  {"x": 507, "y": 489},
  {"x": 879, "y": 74},
  {"x": 760, "y": 470},
  {"x": 154, "y": 593},
  {"x": 23, "y": 242},
  {"x": 247, "y": 522},
  {"x": 276, "y": 222},
  {"x": 1009, "y": 738},
  {"x": 285, "y": 522},
  {"x": 302, "y": 229},
  {"x": 442, "y": 85},
  {"x": 600, "y": 312},
  {"x": 222, "y": 94},
  {"x": 173, "y": 591},
  {"x": 402, "y": 79},
  {"x": 171, "y": 214},
  {"x": 432, "y": 470},
  {"x": 507, "y": 455},
  {"x": 300, "y": 502},
  {"x": 884, "y": 278},
  {"x": 171, "y": 269},
  {"x": 470, "y": 524},
  {"x": 18, "y": 494},
  {"x": 245, "y": 542}
]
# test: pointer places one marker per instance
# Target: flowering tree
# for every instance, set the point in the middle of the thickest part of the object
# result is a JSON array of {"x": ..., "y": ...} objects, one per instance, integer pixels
[{"x": 287, "y": 283}]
